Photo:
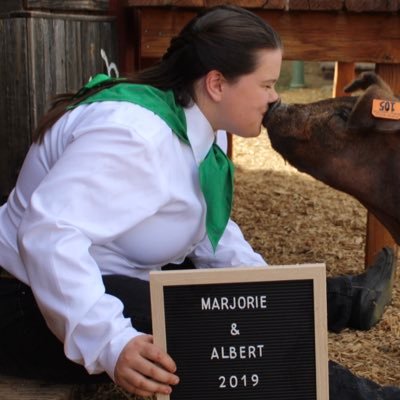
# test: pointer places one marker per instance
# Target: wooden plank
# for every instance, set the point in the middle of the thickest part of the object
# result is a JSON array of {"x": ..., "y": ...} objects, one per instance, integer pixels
[
  {"x": 42, "y": 55},
  {"x": 108, "y": 39},
  {"x": 377, "y": 238},
  {"x": 70, "y": 5},
  {"x": 91, "y": 57},
  {"x": 126, "y": 31},
  {"x": 11, "y": 5},
  {"x": 270, "y": 4},
  {"x": 357, "y": 37},
  {"x": 377, "y": 235},
  {"x": 372, "y": 5},
  {"x": 36, "y": 66},
  {"x": 349, "y": 37},
  {"x": 14, "y": 101},
  {"x": 12, "y": 388},
  {"x": 315, "y": 5},
  {"x": 391, "y": 74},
  {"x": 241, "y": 3},
  {"x": 4, "y": 189},
  {"x": 161, "y": 3},
  {"x": 73, "y": 56},
  {"x": 157, "y": 27},
  {"x": 63, "y": 15},
  {"x": 58, "y": 41},
  {"x": 288, "y": 5},
  {"x": 344, "y": 74},
  {"x": 65, "y": 54},
  {"x": 38, "y": 36}
]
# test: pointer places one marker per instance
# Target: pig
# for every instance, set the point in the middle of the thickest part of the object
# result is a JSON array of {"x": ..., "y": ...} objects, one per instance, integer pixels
[{"x": 339, "y": 142}]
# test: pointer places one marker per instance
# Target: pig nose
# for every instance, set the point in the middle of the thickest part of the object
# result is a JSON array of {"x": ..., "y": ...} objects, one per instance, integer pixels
[{"x": 271, "y": 107}]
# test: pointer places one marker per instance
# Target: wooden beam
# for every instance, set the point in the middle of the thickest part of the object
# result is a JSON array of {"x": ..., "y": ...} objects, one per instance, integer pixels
[
  {"x": 344, "y": 74},
  {"x": 127, "y": 41},
  {"x": 87, "y": 5},
  {"x": 349, "y": 37}
]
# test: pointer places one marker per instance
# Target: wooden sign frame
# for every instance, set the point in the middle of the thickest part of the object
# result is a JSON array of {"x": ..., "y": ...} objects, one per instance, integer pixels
[{"x": 314, "y": 275}]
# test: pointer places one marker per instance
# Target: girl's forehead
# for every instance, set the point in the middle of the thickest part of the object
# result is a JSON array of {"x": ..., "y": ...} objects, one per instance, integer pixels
[{"x": 269, "y": 62}]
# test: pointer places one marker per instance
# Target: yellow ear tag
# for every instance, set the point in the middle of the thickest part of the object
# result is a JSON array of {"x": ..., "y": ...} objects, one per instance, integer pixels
[{"x": 386, "y": 109}]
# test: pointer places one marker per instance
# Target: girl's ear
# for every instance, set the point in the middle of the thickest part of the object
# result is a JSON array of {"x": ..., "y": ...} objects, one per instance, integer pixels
[{"x": 214, "y": 82}]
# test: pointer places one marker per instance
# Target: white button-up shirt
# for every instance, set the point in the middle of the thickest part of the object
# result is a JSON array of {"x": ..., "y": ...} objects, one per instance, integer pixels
[{"x": 111, "y": 190}]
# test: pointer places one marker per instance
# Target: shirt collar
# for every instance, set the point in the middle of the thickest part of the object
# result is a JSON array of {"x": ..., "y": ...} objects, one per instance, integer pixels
[{"x": 199, "y": 131}]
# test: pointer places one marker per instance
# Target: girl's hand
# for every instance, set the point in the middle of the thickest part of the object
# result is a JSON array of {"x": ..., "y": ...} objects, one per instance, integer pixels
[{"x": 144, "y": 369}]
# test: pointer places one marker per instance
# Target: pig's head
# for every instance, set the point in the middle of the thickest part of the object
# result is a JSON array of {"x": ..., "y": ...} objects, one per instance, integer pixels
[{"x": 339, "y": 142}]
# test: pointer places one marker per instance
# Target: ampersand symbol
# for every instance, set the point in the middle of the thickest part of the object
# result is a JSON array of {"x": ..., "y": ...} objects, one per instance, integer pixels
[{"x": 234, "y": 330}]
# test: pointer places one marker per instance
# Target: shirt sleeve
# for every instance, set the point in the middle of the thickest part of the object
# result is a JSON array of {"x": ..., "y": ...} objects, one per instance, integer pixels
[
  {"x": 106, "y": 181},
  {"x": 232, "y": 251}
]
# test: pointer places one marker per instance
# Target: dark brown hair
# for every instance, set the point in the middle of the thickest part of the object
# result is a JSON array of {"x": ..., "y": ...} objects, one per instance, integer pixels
[{"x": 224, "y": 38}]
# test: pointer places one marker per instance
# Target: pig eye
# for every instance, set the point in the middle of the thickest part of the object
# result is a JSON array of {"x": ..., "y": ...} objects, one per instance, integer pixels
[{"x": 343, "y": 113}]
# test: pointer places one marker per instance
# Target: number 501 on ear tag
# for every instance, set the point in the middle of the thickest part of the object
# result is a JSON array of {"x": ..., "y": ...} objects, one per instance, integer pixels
[{"x": 386, "y": 109}]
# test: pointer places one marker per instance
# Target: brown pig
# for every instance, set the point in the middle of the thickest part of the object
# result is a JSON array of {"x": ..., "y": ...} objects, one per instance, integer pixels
[{"x": 339, "y": 142}]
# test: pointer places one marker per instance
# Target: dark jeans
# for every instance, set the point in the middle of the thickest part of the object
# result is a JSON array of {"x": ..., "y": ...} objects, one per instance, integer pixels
[{"x": 29, "y": 349}]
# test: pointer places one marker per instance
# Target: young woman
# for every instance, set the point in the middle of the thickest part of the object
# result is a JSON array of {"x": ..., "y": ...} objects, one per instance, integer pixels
[{"x": 119, "y": 182}]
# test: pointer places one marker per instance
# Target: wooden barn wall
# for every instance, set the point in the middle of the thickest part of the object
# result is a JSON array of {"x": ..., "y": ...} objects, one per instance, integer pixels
[
  {"x": 43, "y": 54},
  {"x": 15, "y": 124}
]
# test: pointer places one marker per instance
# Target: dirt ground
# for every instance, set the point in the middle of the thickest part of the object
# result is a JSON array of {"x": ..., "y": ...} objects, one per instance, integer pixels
[{"x": 291, "y": 218}]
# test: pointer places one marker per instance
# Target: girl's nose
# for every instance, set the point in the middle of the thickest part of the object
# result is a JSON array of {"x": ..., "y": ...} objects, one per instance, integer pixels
[{"x": 274, "y": 96}]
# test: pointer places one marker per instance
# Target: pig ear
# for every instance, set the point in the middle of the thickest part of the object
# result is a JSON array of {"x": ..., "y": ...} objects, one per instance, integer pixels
[
  {"x": 361, "y": 118},
  {"x": 365, "y": 80}
]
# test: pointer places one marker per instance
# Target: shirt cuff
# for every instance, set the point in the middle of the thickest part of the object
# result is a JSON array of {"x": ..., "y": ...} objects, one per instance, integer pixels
[{"x": 110, "y": 354}]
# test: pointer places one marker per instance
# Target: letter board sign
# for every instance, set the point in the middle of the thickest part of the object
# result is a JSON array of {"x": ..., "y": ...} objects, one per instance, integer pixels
[{"x": 244, "y": 333}]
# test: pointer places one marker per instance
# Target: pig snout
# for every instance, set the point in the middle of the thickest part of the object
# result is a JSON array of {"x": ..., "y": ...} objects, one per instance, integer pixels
[
  {"x": 285, "y": 118},
  {"x": 305, "y": 134},
  {"x": 301, "y": 131},
  {"x": 271, "y": 108},
  {"x": 286, "y": 123}
]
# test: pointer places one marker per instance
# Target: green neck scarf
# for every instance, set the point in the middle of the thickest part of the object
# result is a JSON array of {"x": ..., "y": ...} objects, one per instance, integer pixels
[{"x": 215, "y": 171}]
